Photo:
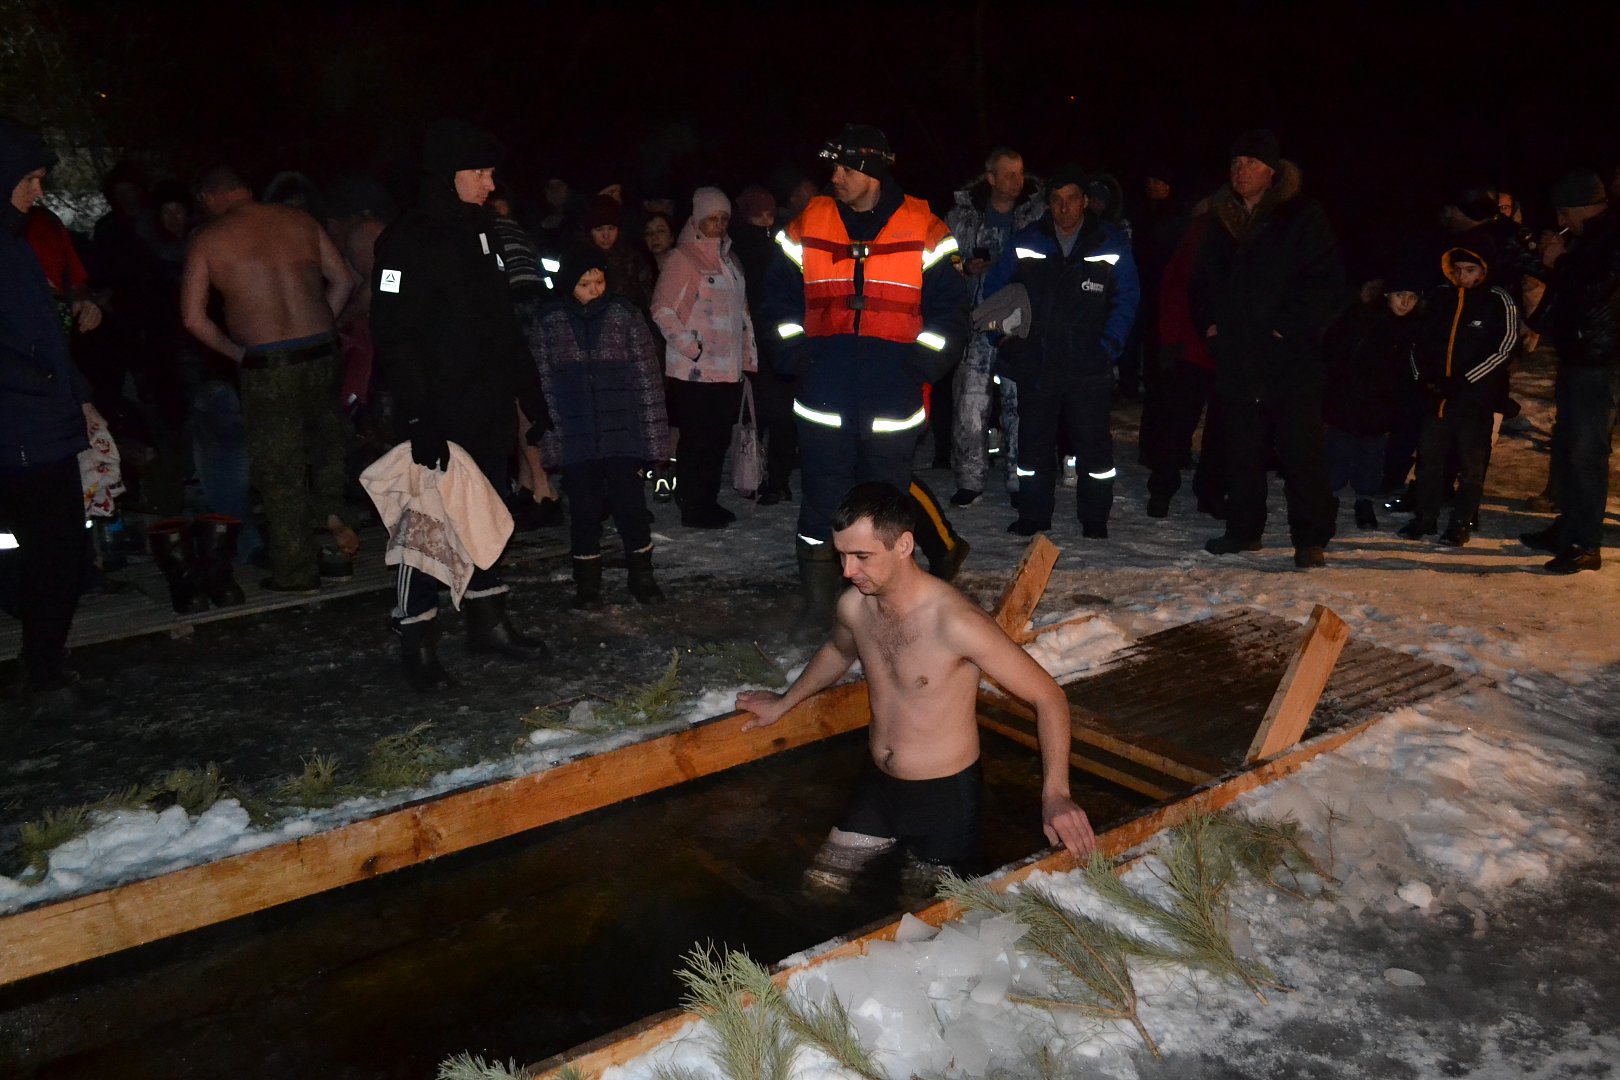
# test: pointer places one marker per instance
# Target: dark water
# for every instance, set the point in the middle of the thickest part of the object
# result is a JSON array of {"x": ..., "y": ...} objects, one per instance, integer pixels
[{"x": 520, "y": 949}]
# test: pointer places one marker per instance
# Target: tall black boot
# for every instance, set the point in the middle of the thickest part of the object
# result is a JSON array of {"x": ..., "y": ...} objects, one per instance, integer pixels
[
  {"x": 170, "y": 542},
  {"x": 587, "y": 583},
  {"x": 821, "y": 580},
  {"x": 490, "y": 631},
  {"x": 418, "y": 651},
  {"x": 214, "y": 538},
  {"x": 642, "y": 585}
]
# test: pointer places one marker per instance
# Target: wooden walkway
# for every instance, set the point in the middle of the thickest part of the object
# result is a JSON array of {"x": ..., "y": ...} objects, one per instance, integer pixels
[
  {"x": 138, "y": 603},
  {"x": 1179, "y": 708}
]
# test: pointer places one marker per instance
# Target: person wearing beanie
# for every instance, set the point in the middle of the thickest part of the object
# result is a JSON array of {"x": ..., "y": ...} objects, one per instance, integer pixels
[
  {"x": 700, "y": 305},
  {"x": 1579, "y": 315},
  {"x": 868, "y": 308},
  {"x": 999, "y": 202},
  {"x": 1269, "y": 279},
  {"x": 283, "y": 282},
  {"x": 599, "y": 367},
  {"x": 1463, "y": 355},
  {"x": 752, "y": 230},
  {"x": 450, "y": 350},
  {"x": 629, "y": 270},
  {"x": 45, "y": 416}
]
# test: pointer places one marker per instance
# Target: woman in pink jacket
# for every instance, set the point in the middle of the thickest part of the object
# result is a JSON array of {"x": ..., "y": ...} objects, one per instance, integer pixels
[{"x": 701, "y": 306}]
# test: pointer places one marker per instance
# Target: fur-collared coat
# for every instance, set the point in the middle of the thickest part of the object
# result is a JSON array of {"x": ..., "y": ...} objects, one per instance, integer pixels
[{"x": 1269, "y": 282}]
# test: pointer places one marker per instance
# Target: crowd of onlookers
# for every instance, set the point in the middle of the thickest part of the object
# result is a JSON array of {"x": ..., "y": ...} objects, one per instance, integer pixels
[{"x": 1396, "y": 400}]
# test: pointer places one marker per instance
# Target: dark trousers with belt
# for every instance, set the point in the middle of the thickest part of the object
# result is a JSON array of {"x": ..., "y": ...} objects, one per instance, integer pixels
[
  {"x": 707, "y": 411},
  {"x": 43, "y": 507},
  {"x": 416, "y": 596},
  {"x": 296, "y": 439},
  {"x": 1295, "y": 423}
]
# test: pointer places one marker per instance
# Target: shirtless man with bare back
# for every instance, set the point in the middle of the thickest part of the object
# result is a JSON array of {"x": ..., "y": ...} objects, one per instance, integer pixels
[
  {"x": 282, "y": 280},
  {"x": 923, "y": 647}
]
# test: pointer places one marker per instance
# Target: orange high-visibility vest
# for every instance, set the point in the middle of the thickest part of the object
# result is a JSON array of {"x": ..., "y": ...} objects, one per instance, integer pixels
[{"x": 889, "y": 305}]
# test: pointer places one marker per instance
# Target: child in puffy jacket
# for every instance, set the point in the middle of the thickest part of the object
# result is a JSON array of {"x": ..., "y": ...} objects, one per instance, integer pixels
[
  {"x": 599, "y": 367},
  {"x": 1463, "y": 357}
]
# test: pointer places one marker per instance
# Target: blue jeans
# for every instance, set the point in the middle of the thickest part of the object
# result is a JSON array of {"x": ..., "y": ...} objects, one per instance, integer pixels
[
  {"x": 219, "y": 449},
  {"x": 1357, "y": 460},
  {"x": 1585, "y": 398}
]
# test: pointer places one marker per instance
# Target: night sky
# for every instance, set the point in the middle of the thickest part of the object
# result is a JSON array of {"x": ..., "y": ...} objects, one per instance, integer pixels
[{"x": 1386, "y": 108}]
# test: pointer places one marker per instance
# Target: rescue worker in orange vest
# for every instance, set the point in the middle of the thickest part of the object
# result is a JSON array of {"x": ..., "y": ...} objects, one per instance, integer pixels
[{"x": 868, "y": 307}]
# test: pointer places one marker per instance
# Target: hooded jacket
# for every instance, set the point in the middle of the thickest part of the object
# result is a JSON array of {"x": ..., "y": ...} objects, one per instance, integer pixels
[
  {"x": 1371, "y": 361},
  {"x": 700, "y": 305},
  {"x": 967, "y": 223},
  {"x": 1269, "y": 282},
  {"x": 441, "y": 309},
  {"x": 599, "y": 366},
  {"x": 865, "y": 380},
  {"x": 41, "y": 392},
  {"x": 1467, "y": 343},
  {"x": 1083, "y": 304}
]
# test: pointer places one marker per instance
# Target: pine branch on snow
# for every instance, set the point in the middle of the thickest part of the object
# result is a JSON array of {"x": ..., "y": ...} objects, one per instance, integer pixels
[
  {"x": 752, "y": 1044},
  {"x": 826, "y": 1027},
  {"x": 468, "y": 1067},
  {"x": 1085, "y": 960}
]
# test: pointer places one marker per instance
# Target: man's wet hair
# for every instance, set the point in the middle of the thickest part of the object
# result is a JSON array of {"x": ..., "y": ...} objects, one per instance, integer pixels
[
  {"x": 220, "y": 179},
  {"x": 891, "y": 511}
]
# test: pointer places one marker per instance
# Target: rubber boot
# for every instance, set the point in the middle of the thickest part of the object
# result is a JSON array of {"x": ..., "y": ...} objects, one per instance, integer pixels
[
  {"x": 214, "y": 538},
  {"x": 490, "y": 631},
  {"x": 642, "y": 585},
  {"x": 821, "y": 580},
  {"x": 587, "y": 583},
  {"x": 170, "y": 542},
  {"x": 419, "y": 653}
]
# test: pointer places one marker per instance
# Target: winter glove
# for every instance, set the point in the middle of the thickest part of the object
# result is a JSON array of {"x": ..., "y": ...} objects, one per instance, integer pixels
[{"x": 428, "y": 446}]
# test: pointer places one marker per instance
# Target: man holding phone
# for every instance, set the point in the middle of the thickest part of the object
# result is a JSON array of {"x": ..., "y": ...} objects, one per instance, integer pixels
[{"x": 987, "y": 213}]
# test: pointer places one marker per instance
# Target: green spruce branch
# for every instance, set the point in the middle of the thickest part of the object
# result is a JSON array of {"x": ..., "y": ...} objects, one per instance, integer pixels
[
  {"x": 1085, "y": 961},
  {"x": 751, "y": 1043}
]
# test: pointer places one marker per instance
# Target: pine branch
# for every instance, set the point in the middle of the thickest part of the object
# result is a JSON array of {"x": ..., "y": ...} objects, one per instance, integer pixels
[
  {"x": 826, "y": 1027},
  {"x": 752, "y": 1044},
  {"x": 465, "y": 1066}
]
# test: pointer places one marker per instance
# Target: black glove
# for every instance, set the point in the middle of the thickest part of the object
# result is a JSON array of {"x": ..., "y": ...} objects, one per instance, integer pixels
[{"x": 428, "y": 446}]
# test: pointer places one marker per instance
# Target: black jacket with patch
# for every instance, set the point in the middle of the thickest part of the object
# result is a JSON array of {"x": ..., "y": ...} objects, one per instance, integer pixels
[{"x": 441, "y": 316}]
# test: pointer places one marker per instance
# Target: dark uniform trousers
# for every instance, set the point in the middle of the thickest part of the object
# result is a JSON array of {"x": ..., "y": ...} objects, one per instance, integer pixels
[
  {"x": 1081, "y": 402},
  {"x": 1294, "y": 422},
  {"x": 835, "y": 459}
]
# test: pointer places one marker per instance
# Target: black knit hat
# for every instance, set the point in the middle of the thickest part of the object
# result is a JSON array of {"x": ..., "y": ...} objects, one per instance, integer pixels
[
  {"x": 577, "y": 261},
  {"x": 861, "y": 147},
  {"x": 21, "y": 152},
  {"x": 1580, "y": 187},
  {"x": 1065, "y": 175},
  {"x": 1477, "y": 203},
  {"x": 453, "y": 145},
  {"x": 1260, "y": 144}
]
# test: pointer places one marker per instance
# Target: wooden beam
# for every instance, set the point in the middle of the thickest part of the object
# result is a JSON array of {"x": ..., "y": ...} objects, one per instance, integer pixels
[
  {"x": 595, "y": 1057},
  {"x": 1096, "y": 768},
  {"x": 1096, "y": 730},
  {"x": 1308, "y": 673},
  {"x": 1023, "y": 593},
  {"x": 55, "y": 935},
  {"x": 1035, "y": 632}
]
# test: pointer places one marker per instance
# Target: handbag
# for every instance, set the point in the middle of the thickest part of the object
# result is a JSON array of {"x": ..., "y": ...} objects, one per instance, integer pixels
[{"x": 747, "y": 455}]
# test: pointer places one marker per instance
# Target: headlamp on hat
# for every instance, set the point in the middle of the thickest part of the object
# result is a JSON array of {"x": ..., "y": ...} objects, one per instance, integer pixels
[{"x": 860, "y": 147}]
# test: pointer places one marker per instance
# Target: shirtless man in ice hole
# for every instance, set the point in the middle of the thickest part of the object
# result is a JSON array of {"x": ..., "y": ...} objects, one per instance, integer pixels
[{"x": 923, "y": 647}]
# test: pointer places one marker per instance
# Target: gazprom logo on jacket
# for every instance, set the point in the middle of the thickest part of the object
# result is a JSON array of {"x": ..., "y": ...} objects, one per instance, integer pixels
[{"x": 1092, "y": 286}]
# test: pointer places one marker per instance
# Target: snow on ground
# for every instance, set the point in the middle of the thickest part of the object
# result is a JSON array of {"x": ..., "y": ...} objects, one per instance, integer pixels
[{"x": 1470, "y": 837}]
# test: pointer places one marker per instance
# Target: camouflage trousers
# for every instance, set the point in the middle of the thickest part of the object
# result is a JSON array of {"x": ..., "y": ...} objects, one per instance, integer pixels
[
  {"x": 972, "y": 389},
  {"x": 296, "y": 441}
]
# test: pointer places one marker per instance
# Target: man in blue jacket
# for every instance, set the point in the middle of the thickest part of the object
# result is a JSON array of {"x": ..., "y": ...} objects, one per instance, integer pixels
[
  {"x": 1083, "y": 291},
  {"x": 44, "y": 413}
]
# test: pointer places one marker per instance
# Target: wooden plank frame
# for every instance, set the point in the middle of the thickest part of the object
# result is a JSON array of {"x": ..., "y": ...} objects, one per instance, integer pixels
[
  {"x": 617, "y": 1048},
  {"x": 1023, "y": 593},
  {"x": 1301, "y": 686},
  {"x": 51, "y": 936}
]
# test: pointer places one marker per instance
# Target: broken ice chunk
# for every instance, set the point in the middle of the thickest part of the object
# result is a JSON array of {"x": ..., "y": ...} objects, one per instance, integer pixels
[
  {"x": 1416, "y": 893},
  {"x": 1402, "y": 977}
]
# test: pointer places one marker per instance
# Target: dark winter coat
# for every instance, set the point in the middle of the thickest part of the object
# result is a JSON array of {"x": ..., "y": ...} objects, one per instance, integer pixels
[
  {"x": 1270, "y": 282},
  {"x": 1082, "y": 306},
  {"x": 754, "y": 248},
  {"x": 1370, "y": 368},
  {"x": 1580, "y": 311},
  {"x": 603, "y": 380},
  {"x": 862, "y": 377},
  {"x": 441, "y": 316},
  {"x": 41, "y": 393},
  {"x": 1466, "y": 346}
]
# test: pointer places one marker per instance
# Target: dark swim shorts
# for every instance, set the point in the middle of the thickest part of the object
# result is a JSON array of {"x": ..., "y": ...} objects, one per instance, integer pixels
[{"x": 936, "y": 820}]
